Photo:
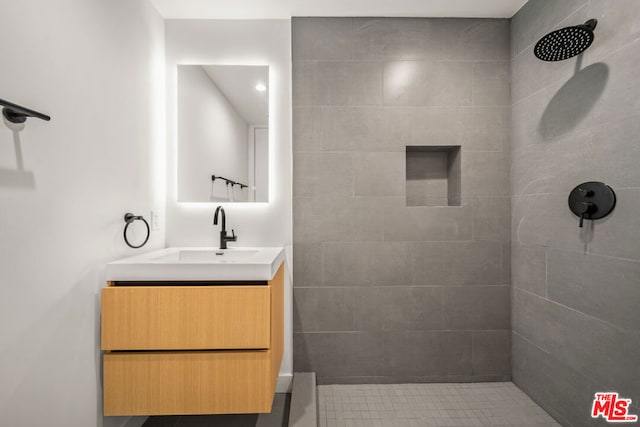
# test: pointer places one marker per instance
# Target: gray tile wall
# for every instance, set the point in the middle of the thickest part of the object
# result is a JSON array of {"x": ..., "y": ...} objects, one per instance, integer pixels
[
  {"x": 385, "y": 292},
  {"x": 575, "y": 315}
]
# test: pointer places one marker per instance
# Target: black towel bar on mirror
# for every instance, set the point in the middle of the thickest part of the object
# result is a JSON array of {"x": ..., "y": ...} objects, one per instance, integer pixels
[{"x": 229, "y": 181}]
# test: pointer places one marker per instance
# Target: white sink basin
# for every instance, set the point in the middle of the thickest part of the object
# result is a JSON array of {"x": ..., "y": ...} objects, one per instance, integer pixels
[
  {"x": 210, "y": 255},
  {"x": 191, "y": 264}
]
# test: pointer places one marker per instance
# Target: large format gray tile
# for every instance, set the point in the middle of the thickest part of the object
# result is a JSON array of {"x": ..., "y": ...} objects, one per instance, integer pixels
[
  {"x": 340, "y": 354},
  {"x": 618, "y": 234},
  {"x": 367, "y": 263},
  {"x": 529, "y": 268},
  {"x": 583, "y": 342},
  {"x": 492, "y": 219},
  {"x": 476, "y": 39},
  {"x": 492, "y": 352},
  {"x": 442, "y": 126},
  {"x": 483, "y": 174},
  {"x": 409, "y": 82},
  {"x": 530, "y": 75},
  {"x": 337, "y": 83},
  {"x": 323, "y": 309},
  {"x": 473, "y": 128},
  {"x": 323, "y": 174},
  {"x": 491, "y": 83},
  {"x": 307, "y": 128},
  {"x": 601, "y": 287},
  {"x": 616, "y": 78},
  {"x": 606, "y": 95},
  {"x": 506, "y": 263},
  {"x": 545, "y": 220},
  {"x": 477, "y": 307},
  {"x": 439, "y": 126},
  {"x": 525, "y": 119},
  {"x": 621, "y": 18},
  {"x": 450, "y": 83},
  {"x": 398, "y": 38},
  {"x": 379, "y": 174},
  {"x": 307, "y": 264},
  {"x": 365, "y": 129},
  {"x": 575, "y": 121},
  {"x": 425, "y": 223},
  {"x": 560, "y": 390},
  {"x": 563, "y": 114},
  {"x": 457, "y": 263},
  {"x": 488, "y": 129},
  {"x": 422, "y": 353},
  {"x": 540, "y": 169},
  {"x": 338, "y": 219},
  {"x": 322, "y": 38},
  {"x": 398, "y": 308}
]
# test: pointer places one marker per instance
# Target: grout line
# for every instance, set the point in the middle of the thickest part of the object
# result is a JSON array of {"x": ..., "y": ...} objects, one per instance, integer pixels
[
  {"x": 546, "y": 273},
  {"x": 378, "y": 330},
  {"x": 590, "y": 316},
  {"x": 322, "y": 263},
  {"x": 404, "y": 286},
  {"x": 444, "y": 323},
  {"x": 530, "y": 342}
]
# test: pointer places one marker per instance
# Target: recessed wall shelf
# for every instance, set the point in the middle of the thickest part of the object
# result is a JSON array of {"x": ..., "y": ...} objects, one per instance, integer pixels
[{"x": 433, "y": 175}]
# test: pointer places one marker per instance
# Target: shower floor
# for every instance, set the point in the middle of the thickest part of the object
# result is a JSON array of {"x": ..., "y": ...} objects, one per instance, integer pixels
[{"x": 423, "y": 405}]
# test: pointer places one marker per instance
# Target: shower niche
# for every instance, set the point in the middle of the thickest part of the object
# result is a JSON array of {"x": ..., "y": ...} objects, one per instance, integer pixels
[{"x": 433, "y": 175}]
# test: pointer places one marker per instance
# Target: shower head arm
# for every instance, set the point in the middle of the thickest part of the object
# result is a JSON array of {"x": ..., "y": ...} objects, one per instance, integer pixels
[{"x": 590, "y": 24}]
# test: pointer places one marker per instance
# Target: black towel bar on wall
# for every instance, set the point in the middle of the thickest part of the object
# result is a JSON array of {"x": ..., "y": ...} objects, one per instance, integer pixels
[{"x": 18, "y": 114}]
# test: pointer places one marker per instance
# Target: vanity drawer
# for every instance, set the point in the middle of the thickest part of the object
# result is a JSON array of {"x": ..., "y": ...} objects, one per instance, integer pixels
[
  {"x": 186, "y": 317},
  {"x": 181, "y": 383}
]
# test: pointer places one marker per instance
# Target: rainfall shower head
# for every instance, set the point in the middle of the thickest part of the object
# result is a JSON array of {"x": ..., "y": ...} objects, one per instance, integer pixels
[{"x": 566, "y": 42}]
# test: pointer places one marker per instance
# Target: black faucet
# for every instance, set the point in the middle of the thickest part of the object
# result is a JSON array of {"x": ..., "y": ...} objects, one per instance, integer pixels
[{"x": 223, "y": 232}]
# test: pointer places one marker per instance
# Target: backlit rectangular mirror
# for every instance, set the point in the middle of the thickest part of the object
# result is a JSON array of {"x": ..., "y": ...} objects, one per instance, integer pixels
[{"x": 223, "y": 135}]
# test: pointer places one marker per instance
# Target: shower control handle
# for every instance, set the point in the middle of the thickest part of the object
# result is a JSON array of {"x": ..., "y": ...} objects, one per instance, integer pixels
[
  {"x": 585, "y": 208},
  {"x": 592, "y": 200},
  {"x": 585, "y": 193}
]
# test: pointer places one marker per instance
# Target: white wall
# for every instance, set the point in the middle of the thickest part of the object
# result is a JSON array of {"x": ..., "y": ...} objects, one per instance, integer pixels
[
  {"x": 213, "y": 139},
  {"x": 97, "y": 67},
  {"x": 237, "y": 42},
  {"x": 261, "y": 163}
]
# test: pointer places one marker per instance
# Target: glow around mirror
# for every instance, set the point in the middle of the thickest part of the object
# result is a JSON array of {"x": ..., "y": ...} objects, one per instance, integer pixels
[{"x": 223, "y": 133}]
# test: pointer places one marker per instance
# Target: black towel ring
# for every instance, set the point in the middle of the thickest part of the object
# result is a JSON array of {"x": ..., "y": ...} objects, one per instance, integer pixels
[{"x": 129, "y": 218}]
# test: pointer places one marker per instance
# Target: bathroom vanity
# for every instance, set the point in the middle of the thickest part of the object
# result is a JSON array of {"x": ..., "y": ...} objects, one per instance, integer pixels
[{"x": 193, "y": 331}]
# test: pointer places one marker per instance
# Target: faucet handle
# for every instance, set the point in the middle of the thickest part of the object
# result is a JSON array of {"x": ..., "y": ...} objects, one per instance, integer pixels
[{"x": 233, "y": 236}]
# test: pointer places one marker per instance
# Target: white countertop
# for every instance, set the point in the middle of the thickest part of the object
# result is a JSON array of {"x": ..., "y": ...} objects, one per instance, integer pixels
[{"x": 198, "y": 264}]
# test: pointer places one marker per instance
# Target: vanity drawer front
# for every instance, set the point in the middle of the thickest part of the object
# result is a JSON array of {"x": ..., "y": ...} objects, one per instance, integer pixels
[
  {"x": 160, "y": 383},
  {"x": 186, "y": 317}
]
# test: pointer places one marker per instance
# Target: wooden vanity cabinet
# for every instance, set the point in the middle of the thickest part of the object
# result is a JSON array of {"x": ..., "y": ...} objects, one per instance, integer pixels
[{"x": 178, "y": 350}]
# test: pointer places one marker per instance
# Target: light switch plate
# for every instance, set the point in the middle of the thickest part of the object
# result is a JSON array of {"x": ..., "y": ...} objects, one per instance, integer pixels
[{"x": 155, "y": 220}]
